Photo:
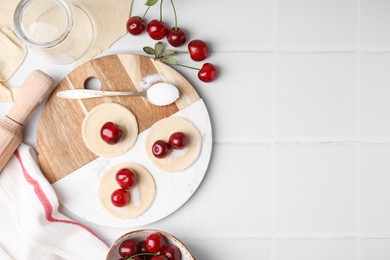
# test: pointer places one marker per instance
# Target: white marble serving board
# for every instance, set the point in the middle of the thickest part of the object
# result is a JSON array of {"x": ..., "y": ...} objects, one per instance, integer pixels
[{"x": 78, "y": 192}]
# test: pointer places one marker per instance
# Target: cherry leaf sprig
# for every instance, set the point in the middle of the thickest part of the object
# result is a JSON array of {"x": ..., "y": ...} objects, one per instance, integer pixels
[
  {"x": 207, "y": 73},
  {"x": 151, "y": 2},
  {"x": 175, "y": 36},
  {"x": 162, "y": 55}
]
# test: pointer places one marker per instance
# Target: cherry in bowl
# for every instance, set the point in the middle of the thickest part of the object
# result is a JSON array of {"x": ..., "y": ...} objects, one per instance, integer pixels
[
  {"x": 155, "y": 242},
  {"x": 129, "y": 248},
  {"x": 139, "y": 236},
  {"x": 172, "y": 252},
  {"x": 159, "y": 257}
]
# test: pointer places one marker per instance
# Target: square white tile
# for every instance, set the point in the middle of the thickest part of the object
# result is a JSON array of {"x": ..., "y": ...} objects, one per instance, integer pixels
[
  {"x": 233, "y": 25},
  {"x": 375, "y": 95},
  {"x": 315, "y": 189},
  {"x": 316, "y": 23},
  {"x": 230, "y": 249},
  {"x": 240, "y": 100},
  {"x": 241, "y": 206},
  {"x": 309, "y": 249},
  {"x": 375, "y": 20},
  {"x": 176, "y": 223},
  {"x": 315, "y": 95},
  {"x": 375, "y": 249},
  {"x": 375, "y": 191}
]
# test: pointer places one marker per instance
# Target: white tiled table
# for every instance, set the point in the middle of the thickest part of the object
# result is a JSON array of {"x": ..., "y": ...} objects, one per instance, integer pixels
[{"x": 301, "y": 117}]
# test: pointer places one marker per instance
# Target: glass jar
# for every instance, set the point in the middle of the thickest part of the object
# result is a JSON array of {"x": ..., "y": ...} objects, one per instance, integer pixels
[{"x": 60, "y": 31}]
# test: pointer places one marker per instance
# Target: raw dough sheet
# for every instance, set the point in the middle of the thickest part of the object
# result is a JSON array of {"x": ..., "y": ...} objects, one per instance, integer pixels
[{"x": 108, "y": 18}]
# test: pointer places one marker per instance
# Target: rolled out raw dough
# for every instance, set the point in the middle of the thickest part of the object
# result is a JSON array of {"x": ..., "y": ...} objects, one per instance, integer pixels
[
  {"x": 141, "y": 196},
  {"x": 12, "y": 52},
  {"x": 109, "y": 112},
  {"x": 178, "y": 160},
  {"x": 108, "y": 18}
]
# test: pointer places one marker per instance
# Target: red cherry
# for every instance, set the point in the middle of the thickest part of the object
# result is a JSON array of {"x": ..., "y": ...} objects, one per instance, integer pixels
[
  {"x": 157, "y": 29},
  {"x": 171, "y": 252},
  {"x": 154, "y": 242},
  {"x": 159, "y": 257},
  {"x": 198, "y": 50},
  {"x": 128, "y": 248},
  {"x": 176, "y": 37},
  {"x": 142, "y": 246},
  {"x": 160, "y": 149},
  {"x": 177, "y": 140},
  {"x": 111, "y": 133},
  {"x": 126, "y": 178},
  {"x": 207, "y": 73},
  {"x": 142, "y": 249},
  {"x": 135, "y": 25},
  {"x": 120, "y": 198}
]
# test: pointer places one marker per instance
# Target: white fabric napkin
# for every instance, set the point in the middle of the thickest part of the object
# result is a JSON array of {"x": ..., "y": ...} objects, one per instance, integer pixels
[{"x": 30, "y": 225}]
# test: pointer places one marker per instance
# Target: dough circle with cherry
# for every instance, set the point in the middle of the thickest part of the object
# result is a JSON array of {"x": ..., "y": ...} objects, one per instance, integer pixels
[
  {"x": 141, "y": 196},
  {"x": 178, "y": 160},
  {"x": 109, "y": 112}
]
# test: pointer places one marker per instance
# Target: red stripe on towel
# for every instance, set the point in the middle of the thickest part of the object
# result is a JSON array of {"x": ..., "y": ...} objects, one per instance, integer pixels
[{"x": 45, "y": 201}]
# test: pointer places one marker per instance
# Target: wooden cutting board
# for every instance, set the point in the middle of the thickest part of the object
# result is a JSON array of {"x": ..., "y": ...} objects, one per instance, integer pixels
[{"x": 60, "y": 146}]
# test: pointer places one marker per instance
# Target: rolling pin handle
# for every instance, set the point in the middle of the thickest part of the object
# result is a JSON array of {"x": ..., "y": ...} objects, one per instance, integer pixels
[{"x": 36, "y": 88}]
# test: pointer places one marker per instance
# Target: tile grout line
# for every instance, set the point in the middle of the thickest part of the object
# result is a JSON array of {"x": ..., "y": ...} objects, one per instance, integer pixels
[
  {"x": 358, "y": 200},
  {"x": 305, "y": 50},
  {"x": 358, "y": 133},
  {"x": 282, "y": 236},
  {"x": 273, "y": 130},
  {"x": 303, "y": 141},
  {"x": 273, "y": 200}
]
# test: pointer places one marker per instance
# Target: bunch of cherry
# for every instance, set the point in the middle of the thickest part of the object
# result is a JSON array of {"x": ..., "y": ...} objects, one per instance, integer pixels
[
  {"x": 127, "y": 179},
  {"x": 176, "y": 37},
  {"x": 161, "y": 149},
  {"x": 154, "y": 247}
]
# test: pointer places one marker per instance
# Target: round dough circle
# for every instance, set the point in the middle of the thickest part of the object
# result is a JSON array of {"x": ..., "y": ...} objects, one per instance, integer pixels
[
  {"x": 178, "y": 160},
  {"x": 109, "y": 112},
  {"x": 145, "y": 189}
]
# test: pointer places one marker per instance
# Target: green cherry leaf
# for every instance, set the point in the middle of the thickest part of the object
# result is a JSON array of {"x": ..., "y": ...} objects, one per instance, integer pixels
[
  {"x": 169, "y": 60},
  {"x": 151, "y": 2},
  {"x": 149, "y": 50},
  {"x": 169, "y": 53},
  {"x": 159, "y": 49}
]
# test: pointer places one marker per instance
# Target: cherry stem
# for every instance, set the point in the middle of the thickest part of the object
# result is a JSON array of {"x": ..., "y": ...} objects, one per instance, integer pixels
[
  {"x": 185, "y": 66},
  {"x": 139, "y": 254},
  {"x": 174, "y": 11},
  {"x": 181, "y": 52},
  {"x": 143, "y": 17},
  {"x": 161, "y": 10}
]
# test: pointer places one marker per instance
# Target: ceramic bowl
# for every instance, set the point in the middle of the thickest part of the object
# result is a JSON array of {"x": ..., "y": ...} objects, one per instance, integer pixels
[{"x": 140, "y": 235}]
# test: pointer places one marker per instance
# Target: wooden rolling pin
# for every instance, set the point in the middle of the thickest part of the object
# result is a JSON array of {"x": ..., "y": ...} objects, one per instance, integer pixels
[{"x": 36, "y": 88}]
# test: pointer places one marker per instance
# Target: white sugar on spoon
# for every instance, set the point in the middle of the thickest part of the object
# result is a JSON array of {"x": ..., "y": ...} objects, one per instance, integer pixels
[
  {"x": 162, "y": 94},
  {"x": 159, "y": 94}
]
